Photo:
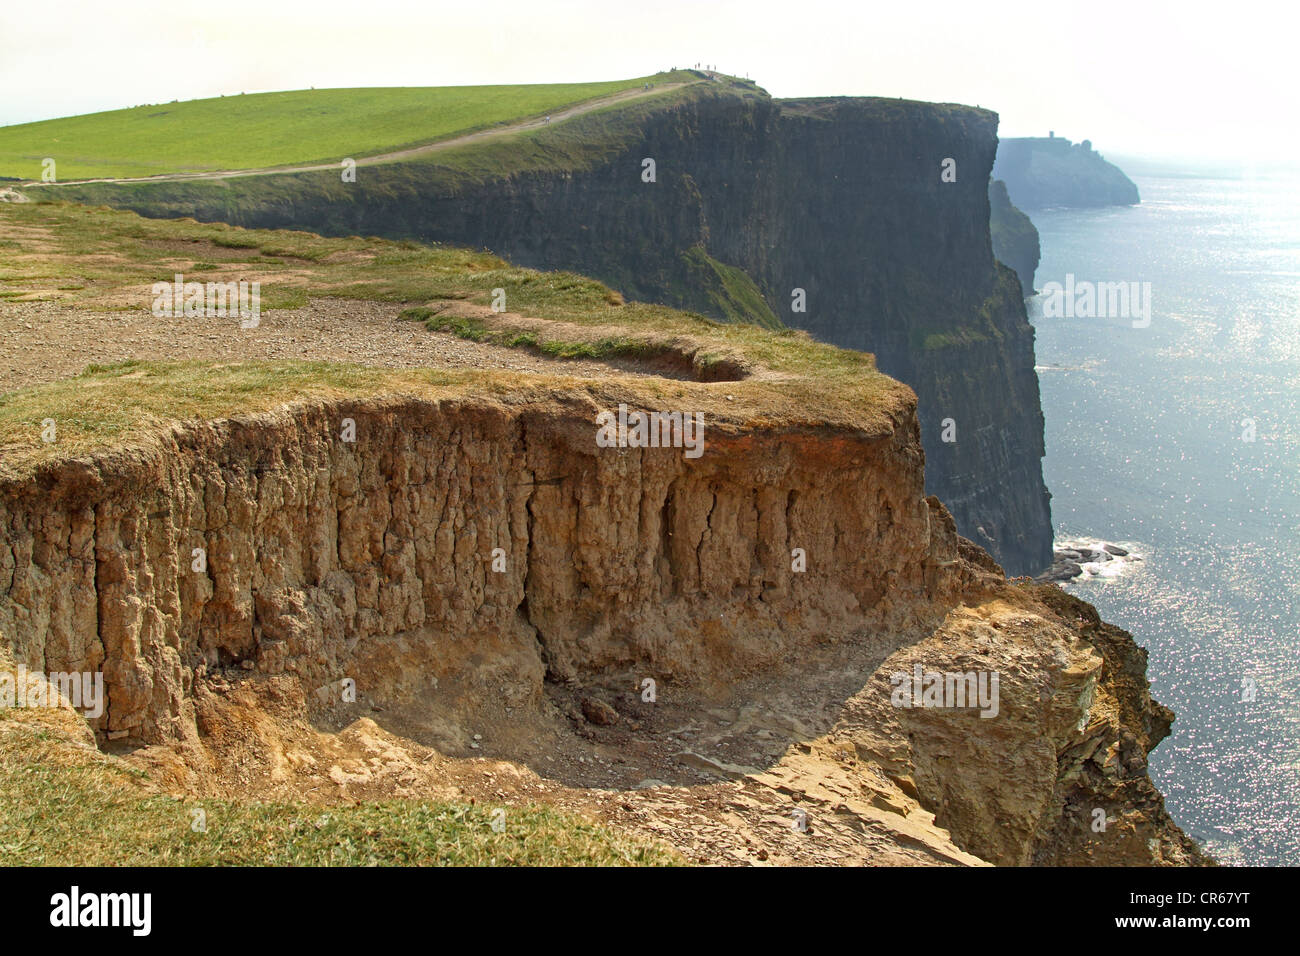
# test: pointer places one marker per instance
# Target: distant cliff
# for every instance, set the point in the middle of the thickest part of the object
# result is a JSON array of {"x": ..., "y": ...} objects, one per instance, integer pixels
[
  {"x": 1052, "y": 171},
  {"x": 1015, "y": 240},
  {"x": 831, "y": 215}
]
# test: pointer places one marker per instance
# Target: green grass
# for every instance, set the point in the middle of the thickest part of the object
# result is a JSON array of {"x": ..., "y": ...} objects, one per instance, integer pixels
[
  {"x": 65, "y": 805},
  {"x": 582, "y": 143},
  {"x": 476, "y": 330},
  {"x": 730, "y": 290},
  {"x": 277, "y": 129}
]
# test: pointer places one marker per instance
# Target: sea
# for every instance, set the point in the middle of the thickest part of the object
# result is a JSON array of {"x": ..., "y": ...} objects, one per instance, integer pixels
[{"x": 1179, "y": 441}]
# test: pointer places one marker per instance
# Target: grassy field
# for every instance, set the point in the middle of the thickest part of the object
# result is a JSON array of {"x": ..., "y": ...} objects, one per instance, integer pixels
[{"x": 278, "y": 129}]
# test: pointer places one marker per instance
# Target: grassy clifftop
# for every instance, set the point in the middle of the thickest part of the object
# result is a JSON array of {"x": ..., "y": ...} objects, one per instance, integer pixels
[
  {"x": 103, "y": 260},
  {"x": 278, "y": 129}
]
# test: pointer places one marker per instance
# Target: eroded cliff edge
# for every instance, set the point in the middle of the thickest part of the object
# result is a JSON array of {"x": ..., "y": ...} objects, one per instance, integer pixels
[
  {"x": 374, "y": 559},
  {"x": 752, "y": 199}
]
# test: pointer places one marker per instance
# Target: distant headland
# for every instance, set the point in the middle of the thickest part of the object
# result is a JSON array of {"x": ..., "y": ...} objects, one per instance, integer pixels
[{"x": 1049, "y": 170}]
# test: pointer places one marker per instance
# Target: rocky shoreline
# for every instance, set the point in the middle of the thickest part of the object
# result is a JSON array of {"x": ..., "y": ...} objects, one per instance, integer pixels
[{"x": 1072, "y": 561}]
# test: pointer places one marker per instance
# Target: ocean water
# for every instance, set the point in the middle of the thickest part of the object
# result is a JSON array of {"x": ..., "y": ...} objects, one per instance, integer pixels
[{"x": 1148, "y": 447}]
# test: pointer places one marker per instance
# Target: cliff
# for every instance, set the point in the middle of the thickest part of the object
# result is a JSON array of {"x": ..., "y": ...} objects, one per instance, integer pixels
[
  {"x": 375, "y": 562},
  {"x": 1052, "y": 171},
  {"x": 753, "y": 199},
  {"x": 410, "y": 569},
  {"x": 1015, "y": 240}
]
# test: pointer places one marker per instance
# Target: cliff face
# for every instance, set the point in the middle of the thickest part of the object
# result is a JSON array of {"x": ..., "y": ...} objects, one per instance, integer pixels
[
  {"x": 319, "y": 551},
  {"x": 1052, "y": 171},
  {"x": 1015, "y": 240},
  {"x": 375, "y": 561},
  {"x": 753, "y": 199}
]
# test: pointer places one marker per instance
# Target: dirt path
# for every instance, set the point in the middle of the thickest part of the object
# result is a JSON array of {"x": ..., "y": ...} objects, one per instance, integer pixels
[
  {"x": 401, "y": 154},
  {"x": 47, "y": 341}
]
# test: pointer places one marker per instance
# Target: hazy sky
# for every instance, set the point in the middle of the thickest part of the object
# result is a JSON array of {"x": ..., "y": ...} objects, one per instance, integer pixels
[{"x": 1191, "y": 78}]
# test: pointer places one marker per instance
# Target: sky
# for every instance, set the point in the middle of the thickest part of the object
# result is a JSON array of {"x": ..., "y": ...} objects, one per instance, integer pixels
[{"x": 1141, "y": 77}]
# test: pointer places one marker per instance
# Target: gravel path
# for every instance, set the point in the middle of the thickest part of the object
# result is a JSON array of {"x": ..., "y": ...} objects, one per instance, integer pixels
[{"x": 46, "y": 341}]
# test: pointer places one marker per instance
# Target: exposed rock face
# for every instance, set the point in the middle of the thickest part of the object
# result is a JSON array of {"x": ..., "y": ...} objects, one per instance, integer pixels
[
  {"x": 1052, "y": 171},
  {"x": 375, "y": 560},
  {"x": 1015, "y": 240},
  {"x": 1107, "y": 771},
  {"x": 753, "y": 199},
  {"x": 316, "y": 549}
]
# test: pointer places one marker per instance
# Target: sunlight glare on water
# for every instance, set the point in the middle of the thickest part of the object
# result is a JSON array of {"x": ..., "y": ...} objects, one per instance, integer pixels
[{"x": 1146, "y": 444}]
